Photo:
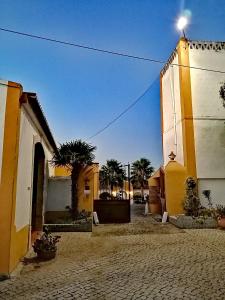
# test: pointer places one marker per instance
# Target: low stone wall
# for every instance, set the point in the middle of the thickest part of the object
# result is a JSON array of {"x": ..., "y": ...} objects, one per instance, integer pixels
[
  {"x": 188, "y": 222},
  {"x": 53, "y": 217},
  {"x": 83, "y": 227}
]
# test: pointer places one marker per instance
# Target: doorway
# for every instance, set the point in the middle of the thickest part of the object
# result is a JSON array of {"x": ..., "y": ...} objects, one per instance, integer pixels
[{"x": 38, "y": 188}]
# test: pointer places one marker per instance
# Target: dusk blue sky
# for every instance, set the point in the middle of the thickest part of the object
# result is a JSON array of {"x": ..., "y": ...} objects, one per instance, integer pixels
[{"x": 81, "y": 91}]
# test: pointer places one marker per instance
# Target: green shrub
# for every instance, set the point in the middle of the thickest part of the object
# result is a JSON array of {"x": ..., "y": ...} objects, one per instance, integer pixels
[{"x": 192, "y": 202}]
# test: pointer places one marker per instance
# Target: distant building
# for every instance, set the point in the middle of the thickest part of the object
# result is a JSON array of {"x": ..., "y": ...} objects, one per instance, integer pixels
[
  {"x": 59, "y": 192},
  {"x": 192, "y": 118},
  {"x": 134, "y": 190}
]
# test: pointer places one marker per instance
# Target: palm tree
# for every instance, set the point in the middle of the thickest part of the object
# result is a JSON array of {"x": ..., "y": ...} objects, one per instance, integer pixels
[
  {"x": 141, "y": 170},
  {"x": 75, "y": 156},
  {"x": 112, "y": 175},
  {"x": 103, "y": 179}
]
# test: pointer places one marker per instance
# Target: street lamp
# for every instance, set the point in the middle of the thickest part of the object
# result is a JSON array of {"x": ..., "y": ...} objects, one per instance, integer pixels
[
  {"x": 182, "y": 24},
  {"x": 128, "y": 176}
]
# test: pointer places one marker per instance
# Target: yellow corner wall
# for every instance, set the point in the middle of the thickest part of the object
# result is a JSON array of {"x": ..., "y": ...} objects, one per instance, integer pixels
[
  {"x": 186, "y": 108},
  {"x": 175, "y": 175},
  {"x": 90, "y": 176},
  {"x": 61, "y": 171},
  {"x": 10, "y": 252},
  {"x": 153, "y": 182},
  {"x": 19, "y": 245}
]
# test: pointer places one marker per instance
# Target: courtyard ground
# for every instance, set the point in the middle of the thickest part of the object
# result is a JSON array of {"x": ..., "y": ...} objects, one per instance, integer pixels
[{"x": 140, "y": 260}]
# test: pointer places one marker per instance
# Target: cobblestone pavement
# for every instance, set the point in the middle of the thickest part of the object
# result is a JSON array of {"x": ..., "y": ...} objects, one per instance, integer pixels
[{"x": 141, "y": 260}]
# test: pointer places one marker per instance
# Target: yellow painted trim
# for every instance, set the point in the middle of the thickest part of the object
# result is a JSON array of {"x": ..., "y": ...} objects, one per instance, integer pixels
[
  {"x": 9, "y": 175},
  {"x": 19, "y": 245},
  {"x": 153, "y": 182},
  {"x": 62, "y": 171},
  {"x": 186, "y": 108},
  {"x": 161, "y": 108},
  {"x": 90, "y": 174}
]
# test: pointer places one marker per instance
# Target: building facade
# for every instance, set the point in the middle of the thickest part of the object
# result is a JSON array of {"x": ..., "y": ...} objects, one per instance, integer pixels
[
  {"x": 192, "y": 118},
  {"x": 26, "y": 146},
  {"x": 59, "y": 192}
]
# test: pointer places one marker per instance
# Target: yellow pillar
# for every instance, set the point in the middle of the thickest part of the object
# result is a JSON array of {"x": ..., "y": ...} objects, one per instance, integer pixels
[
  {"x": 175, "y": 175},
  {"x": 186, "y": 108},
  {"x": 8, "y": 257}
]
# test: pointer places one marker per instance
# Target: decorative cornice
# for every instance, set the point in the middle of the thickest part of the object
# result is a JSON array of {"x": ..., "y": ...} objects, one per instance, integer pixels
[
  {"x": 206, "y": 45},
  {"x": 169, "y": 61},
  {"x": 201, "y": 45}
]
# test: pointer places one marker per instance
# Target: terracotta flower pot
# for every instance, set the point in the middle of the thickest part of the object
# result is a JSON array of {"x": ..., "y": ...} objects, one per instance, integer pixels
[
  {"x": 221, "y": 222},
  {"x": 46, "y": 255}
]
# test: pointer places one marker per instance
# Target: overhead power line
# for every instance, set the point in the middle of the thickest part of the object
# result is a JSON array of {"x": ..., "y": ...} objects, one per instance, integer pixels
[
  {"x": 106, "y": 51},
  {"x": 124, "y": 111},
  {"x": 112, "y": 53}
]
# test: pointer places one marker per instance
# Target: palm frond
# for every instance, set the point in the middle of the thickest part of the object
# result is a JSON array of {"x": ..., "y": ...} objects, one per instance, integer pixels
[
  {"x": 112, "y": 174},
  {"x": 141, "y": 171},
  {"x": 74, "y": 153}
]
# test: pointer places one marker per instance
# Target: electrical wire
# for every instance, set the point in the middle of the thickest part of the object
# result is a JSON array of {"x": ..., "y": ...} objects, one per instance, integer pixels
[
  {"x": 112, "y": 53},
  {"x": 124, "y": 111},
  {"x": 107, "y": 51}
]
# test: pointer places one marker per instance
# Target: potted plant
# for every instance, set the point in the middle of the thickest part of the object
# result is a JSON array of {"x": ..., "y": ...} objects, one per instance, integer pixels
[
  {"x": 45, "y": 247},
  {"x": 220, "y": 212}
]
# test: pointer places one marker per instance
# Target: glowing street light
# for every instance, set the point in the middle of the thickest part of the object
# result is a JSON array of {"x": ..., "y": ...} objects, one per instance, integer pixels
[{"x": 182, "y": 23}]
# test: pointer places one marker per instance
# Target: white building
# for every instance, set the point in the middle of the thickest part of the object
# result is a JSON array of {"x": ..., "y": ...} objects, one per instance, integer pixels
[
  {"x": 26, "y": 146},
  {"x": 193, "y": 114}
]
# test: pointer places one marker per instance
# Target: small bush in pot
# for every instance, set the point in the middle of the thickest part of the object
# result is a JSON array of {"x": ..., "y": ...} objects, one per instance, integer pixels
[{"x": 45, "y": 247}]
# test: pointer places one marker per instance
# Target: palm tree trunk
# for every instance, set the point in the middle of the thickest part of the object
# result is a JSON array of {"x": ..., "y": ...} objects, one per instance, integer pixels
[{"x": 74, "y": 191}]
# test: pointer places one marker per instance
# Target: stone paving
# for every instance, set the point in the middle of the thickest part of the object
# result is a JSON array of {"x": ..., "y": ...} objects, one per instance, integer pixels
[{"x": 141, "y": 260}]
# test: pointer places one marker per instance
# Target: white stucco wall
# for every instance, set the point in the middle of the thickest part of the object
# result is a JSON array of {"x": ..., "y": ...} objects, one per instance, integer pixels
[
  {"x": 25, "y": 173},
  {"x": 217, "y": 188},
  {"x": 172, "y": 126},
  {"x": 59, "y": 194},
  {"x": 3, "y": 97},
  {"x": 29, "y": 135},
  {"x": 209, "y": 118},
  {"x": 208, "y": 113}
]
